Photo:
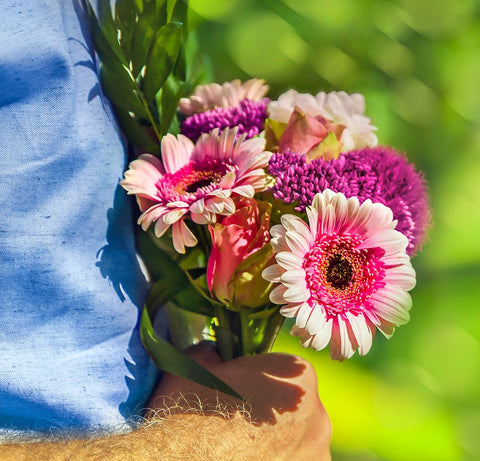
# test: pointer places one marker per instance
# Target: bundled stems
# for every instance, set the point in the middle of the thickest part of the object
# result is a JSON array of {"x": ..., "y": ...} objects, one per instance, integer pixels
[{"x": 242, "y": 333}]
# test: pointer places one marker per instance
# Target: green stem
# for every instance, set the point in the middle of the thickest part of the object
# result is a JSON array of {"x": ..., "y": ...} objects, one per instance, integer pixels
[
  {"x": 274, "y": 323},
  {"x": 150, "y": 116},
  {"x": 246, "y": 333}
]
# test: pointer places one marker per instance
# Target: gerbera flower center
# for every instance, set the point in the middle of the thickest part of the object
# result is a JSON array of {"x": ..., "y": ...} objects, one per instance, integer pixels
[
  {"x": 339, "y": 272},
  {"x": 194, "y": 180},
  {"x": 205, "y": 178},
  {"x": 341, "y": 276}
]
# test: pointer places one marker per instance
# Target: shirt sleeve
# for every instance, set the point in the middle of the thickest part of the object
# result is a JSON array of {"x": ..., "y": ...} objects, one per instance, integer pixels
[{"x": 70, "y": 283}]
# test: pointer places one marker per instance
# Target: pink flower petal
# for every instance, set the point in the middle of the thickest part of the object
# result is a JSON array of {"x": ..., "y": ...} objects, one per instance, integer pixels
[
  {"x": 392, "y": 305},
  {"x": 176, "y": 152}
]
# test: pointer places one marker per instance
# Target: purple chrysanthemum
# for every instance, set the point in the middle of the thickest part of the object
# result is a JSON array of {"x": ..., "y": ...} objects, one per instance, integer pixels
[
  {"x": 249, "y": 116},
  {"x": 380, "y": 174}
]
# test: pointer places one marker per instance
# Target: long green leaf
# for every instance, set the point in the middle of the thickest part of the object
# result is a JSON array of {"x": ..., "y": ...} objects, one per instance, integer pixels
[
  {"x": 149, "y": 22},
  {"x": 136, "y": 133},
  {"x": 125, "y": 18},
  {"x": 167, "y": 358},
  {"x": 170, "y": 95},
  {"x": 102, "y": 45},
  {"x": 161, "y": 58},
  {"x": 121, "y": 89}
]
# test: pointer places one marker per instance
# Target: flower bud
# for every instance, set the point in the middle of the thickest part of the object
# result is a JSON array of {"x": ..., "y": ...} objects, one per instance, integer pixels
[{"x": 240, "y": 252}]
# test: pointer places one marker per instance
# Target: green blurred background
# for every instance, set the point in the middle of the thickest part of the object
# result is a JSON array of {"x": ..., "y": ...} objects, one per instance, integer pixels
[{"x": 417, "y": 396}]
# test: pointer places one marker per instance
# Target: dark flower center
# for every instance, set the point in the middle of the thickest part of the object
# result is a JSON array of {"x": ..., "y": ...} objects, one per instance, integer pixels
[
  {"x": 211, "y": 178},
  {"x": 339, "y": 272}
]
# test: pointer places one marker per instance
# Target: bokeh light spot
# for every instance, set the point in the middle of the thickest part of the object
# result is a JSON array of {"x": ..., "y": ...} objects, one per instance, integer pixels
[
  {"x": 415, "y": 102},
  {"x": 266, "y": 46},
  {"x": 335, "y": 66}
]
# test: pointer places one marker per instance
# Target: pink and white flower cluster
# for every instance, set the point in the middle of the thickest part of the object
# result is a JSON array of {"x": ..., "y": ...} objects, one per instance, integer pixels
[
  {"x": 195, "y": 181},
  {"x": 343, "y": 274}
]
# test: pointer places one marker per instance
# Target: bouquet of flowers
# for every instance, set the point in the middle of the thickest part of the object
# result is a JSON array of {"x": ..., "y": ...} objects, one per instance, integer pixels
[{"x": 256, "y": 210}]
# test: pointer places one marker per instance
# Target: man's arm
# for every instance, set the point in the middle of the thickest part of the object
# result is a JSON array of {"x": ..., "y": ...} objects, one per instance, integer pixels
[{"x": 283, "y": 420}]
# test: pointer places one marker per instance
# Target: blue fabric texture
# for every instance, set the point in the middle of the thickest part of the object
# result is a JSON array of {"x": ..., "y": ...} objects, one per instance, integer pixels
[{"x": 70, "y": 283}]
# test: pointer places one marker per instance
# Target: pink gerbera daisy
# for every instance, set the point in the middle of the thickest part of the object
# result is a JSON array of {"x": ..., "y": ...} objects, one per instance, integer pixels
[
  {"x": 195, "y": 181},
  {"x": 343, "y": 275}
]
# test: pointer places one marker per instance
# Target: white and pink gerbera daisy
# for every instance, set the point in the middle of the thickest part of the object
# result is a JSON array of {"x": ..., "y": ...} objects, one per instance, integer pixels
[
  {"x": 195, "y": 181},
  {"x": 213, "y": 95},
  {"x": 343, "y": 275}
]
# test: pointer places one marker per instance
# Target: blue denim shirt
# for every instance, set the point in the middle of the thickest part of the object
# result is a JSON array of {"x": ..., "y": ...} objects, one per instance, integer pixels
[{"x": 70, "y": 283}]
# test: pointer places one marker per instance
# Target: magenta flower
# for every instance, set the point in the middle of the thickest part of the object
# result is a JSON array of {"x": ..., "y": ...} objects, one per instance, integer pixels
[
  {"x": 195, "y": 181},
  {"x": 379, "y": 174},
  {"x": 343, "y": 275},
  {"x": 233, "y": 104}
]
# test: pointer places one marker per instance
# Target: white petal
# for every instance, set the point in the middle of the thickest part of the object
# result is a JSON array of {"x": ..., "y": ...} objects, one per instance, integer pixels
[
  {"x": 362, "y": 332},
  {"x": 289, "y": 260},
  {"x": 340, "y": 345},
  {"x": 278, "y": 238},
  {"x": 297, "y": 293},
  {"x": 293, "y": 223},
  {"x": 273, "y": 273},
  {"x": 312, "y": 215},
  {"x": 198, "y": 206},
  {"x": 160, "y": 228},
  {"x": 177, "y": 238},
  {"x": 173, "y": 216},
  {"x": 340, "y": 204},
  {"x": 289, "y": 310},
  {"x": 245, "y": 191},
  {"x": 297, "y": 242},
  {"x": 302, "y": 334},
  {"x": 323, "y": 330},
  {"x": 292, "y": 276},
  {"x": 358, "y": 216},
  {"x": 188, "y": 237},
  {"x": 303, "y": 314},
  {"x": 201, "y": 218},
  {"x": 276, "y": 295},
  {"x": 227, "y": 181}
]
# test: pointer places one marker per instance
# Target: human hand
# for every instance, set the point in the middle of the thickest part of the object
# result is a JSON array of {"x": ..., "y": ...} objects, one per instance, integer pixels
[{"x": 283, "y": 419}]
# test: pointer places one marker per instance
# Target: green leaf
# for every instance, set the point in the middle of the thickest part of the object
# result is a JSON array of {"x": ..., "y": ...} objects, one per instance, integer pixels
[
  {"x": 158, "y": 262},
  {"x": 167, "y": 358},
  {"x": 161, "y": 58},
  {"x": 142, "y": 38},
  {"x": 102, "y": 44},
  {"x": 136, "y": 133},
  {"x": 170, "y": 96},
  {"x": 264, "y": 313},
  {"x": 178, "y": 11},
  {"x": 125, "y": 18},
  {"x": 121, "y": 89},
  {"x": 109, "y": 30},
  {"x": 190, "y": 300}
]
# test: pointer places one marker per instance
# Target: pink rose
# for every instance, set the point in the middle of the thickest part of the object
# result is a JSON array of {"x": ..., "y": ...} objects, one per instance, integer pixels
[
  {"x": 240, "y": 252},
  {"x": 317, "y": 137}
]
